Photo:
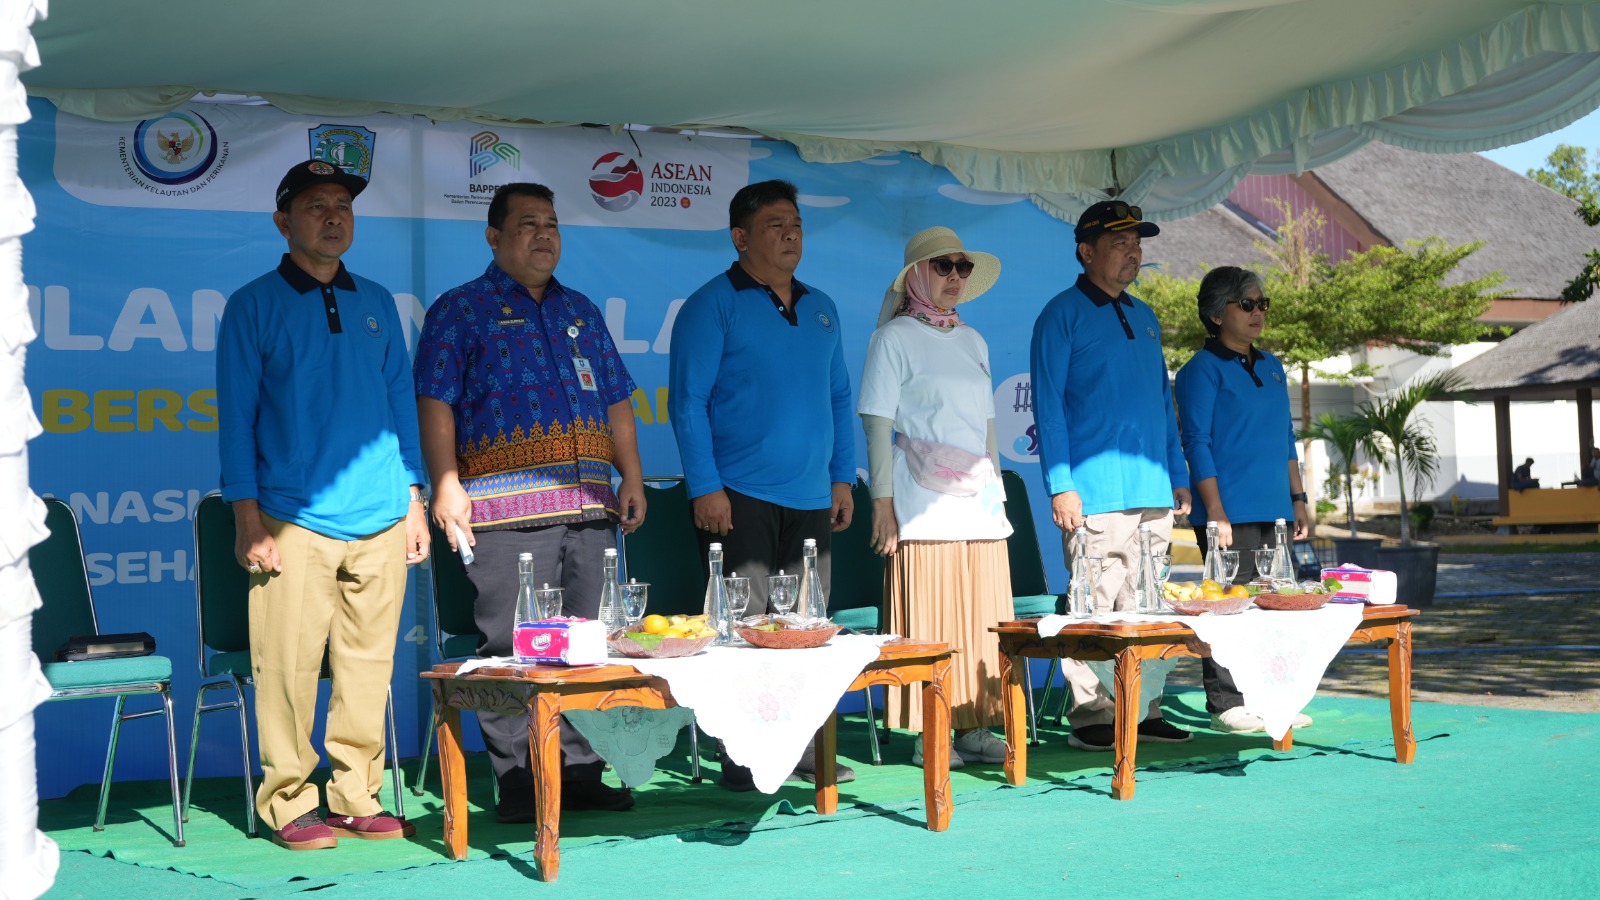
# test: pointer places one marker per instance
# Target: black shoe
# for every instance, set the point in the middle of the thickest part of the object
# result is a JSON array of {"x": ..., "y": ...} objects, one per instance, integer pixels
[
  {"x": 1094, "y": 737},
  {"x": 1160, "y": 731},
  {"x": 735, "y": 777},
  {"x": 516, "y": 806},
  {"x": 595, "y": 795},
  {"x": 806, "y": 769}
]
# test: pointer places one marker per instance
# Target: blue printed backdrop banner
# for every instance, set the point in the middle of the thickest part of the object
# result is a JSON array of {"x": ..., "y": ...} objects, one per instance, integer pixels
[{"x": 145, "y": 228}]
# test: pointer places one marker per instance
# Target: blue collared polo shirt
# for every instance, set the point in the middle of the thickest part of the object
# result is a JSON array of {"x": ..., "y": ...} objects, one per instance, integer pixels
[
  {"x": 1102, "y": 402},
  {"x": 316, "y": 416},
  {"x": 1237, "y": 428}
]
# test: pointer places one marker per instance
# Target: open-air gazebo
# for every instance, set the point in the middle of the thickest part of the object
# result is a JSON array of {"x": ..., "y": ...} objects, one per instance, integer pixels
[{"x": 1556, "y": 359}]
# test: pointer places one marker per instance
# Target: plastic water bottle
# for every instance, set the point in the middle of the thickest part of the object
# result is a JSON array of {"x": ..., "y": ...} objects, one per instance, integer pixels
[
  {"x": 527, "y": 609},
  {"x": 613, "y": 614},
  {"x": 813, "y": 604},
  {"x": 716, "y": 609}
]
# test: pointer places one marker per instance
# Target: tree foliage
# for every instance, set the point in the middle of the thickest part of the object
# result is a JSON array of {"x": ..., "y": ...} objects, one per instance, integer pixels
[
  {"x": 1406, "y": 447},
  {"x": 1568, "y": 170}
]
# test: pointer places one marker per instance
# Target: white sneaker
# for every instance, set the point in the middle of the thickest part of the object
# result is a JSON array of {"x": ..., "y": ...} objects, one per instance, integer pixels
[
  {"x": 1301, "y": 720},
  {"x": 956, "y": 761},
  {"x": 979, "y": 745},
  {"x": 1237, "y": 720}
]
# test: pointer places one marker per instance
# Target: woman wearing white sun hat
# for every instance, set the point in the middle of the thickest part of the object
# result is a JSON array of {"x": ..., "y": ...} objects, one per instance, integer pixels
[{"x": 938, "y": 509}]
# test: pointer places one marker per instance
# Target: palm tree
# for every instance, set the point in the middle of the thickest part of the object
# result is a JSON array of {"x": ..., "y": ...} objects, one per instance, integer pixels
[
  {"x": 1346, "y": 436},
  {"x": 1406, "y": 448}
]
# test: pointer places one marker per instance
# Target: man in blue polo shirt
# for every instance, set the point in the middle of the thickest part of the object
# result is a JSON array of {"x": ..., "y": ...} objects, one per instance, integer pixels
[
  {"x": 317, "y": 430},
  {"x": 760, "y": 404},
  {"x": 1108, "y": 436}
]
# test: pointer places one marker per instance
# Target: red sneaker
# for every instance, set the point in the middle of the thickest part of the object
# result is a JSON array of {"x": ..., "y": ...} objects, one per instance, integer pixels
[
  {"x": 381, "y": 826},
  {"x": 305, "y": 833}
]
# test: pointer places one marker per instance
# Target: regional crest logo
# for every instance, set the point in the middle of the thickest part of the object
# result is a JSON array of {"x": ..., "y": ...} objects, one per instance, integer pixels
[
  {"x": 615, "y": 182},
  {"x": 174, "y": 149},
  {"x": 489, "y": 151},
  {"x": 348, "y": 147}
]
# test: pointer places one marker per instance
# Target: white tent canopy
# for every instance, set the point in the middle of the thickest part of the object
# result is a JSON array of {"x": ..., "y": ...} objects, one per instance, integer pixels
[{"x": 1169, "y": 102}]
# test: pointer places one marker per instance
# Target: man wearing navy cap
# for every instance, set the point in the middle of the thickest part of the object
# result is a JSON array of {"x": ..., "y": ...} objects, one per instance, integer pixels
[
  {"x": 317, "y": 430},
  {"x": 1108, "y": 436}
]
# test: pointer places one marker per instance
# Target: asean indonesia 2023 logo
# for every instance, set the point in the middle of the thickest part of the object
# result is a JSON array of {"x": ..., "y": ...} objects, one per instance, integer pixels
[
  {"x": 615, "y": 182},
  {"x": 177, "y": 153}
]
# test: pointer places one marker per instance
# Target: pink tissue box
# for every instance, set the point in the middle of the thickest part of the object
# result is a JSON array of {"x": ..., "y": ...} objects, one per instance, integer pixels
[
  {"x": 561, "y": 641},
  {"x": 1376, "y": 587}
]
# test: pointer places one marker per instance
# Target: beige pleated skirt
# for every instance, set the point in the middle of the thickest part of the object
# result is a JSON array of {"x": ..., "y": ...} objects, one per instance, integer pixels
[{"x": 951, "y": 591}]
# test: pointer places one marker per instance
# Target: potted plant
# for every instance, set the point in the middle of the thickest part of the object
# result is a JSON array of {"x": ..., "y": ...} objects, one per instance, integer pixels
[
  {"x": 1346, "y": 436},
  {"x": 1408, "y": 449}
]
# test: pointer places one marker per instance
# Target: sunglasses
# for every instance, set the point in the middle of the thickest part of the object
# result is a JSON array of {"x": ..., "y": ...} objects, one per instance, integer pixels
[
  {"x": 1120, "y": 210},
  {"x": 1251, "y": 306},
  {"x": 944, "y": 265}
]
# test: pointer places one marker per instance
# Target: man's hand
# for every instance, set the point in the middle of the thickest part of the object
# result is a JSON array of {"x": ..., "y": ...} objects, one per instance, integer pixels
[
  {"x": 1067, "y": 510},
  {"x": 452, "y": 506},
  {"x": 1302, "y": 520},
  {"x": 1224, "y": 530},
  {"x": 713, "y": 512},
  {"x": 1181, "y": 500},
  {"x": 885, "y": 527},
  {"x": 417, "y": 538},
  {"x": 844, "y": 506},
  {"x": 630, "y": 500},
  {"x": 253, "y": 546}
]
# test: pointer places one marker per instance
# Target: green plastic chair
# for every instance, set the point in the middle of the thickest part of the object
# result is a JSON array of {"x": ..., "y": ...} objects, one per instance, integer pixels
[
  {"x": 455, "y": 631},
  {"x": 856, "y": 600},
  {"x": 1031, "y": 597},
  {"x": 62, "y": 578},
  {"x": 222, "y": 606}
]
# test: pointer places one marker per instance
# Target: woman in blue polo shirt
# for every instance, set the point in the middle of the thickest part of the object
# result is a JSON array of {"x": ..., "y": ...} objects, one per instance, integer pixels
[{"x": 1238, "y": 438}]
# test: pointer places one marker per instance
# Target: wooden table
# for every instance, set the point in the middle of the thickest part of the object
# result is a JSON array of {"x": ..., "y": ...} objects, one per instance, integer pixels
[
  {"x": 547, "y": 691},
  {"x": 1128, "y": 644}
]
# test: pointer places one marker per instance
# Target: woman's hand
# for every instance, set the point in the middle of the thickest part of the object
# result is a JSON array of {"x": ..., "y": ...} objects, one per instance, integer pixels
[
  {"x": 1224, "y": 530},
  {"x": 885, "y": 528},
  {"x": 1302, "y": 520}
]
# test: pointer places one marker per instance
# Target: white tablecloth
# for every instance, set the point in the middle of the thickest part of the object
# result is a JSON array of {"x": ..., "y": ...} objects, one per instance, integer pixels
[{"x": 1276, "y": 658}]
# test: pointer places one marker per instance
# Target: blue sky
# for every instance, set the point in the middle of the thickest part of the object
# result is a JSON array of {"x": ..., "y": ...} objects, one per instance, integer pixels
[{"x": 1520, "y": 158}]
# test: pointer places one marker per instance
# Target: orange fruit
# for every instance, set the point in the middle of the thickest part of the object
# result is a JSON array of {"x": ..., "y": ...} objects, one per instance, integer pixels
[
  {"x": 655, "y": 624},
  {"x": 1237, "y": 591}
]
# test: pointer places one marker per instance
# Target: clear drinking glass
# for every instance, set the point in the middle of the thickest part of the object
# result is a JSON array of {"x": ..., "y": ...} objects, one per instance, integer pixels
[
  {"x": 1163, "y": 563},
  {"x": 1230, "y": 565},
  {"x": 782, "y": 591},
  {"x": 635, "y": 594},
  {"x": 1264, "y": 565},
  {"x": 738, "y": 596},
  {"x": 547, "y": 600}
]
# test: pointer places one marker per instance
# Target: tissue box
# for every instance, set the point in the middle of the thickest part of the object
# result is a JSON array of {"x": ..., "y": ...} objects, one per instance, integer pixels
[
  {"x": 1371, "y": 586},
  {"x": 561, "y": 641}
]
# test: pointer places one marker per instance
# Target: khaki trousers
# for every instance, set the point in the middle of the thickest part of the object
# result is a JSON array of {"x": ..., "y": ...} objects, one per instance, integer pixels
[
  {"x": 342, "y": 597},
  {"x": 1115, "y": 537}
]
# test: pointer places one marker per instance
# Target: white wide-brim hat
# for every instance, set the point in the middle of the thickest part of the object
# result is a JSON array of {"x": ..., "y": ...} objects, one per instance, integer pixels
[{"x": 940, "y": 241}]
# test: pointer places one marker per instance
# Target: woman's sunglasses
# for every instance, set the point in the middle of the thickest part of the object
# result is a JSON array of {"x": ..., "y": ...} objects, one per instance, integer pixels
[
  {"x": 943, "y": 266},
  {"x": 1251, "y": 306}
]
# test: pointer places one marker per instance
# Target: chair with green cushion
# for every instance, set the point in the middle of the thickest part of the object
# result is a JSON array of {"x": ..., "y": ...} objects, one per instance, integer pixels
[
  {"x": 1031, "y": 597},
  {"x": 222, "y": 604},
  {"x": 856, "y": 600},
  {"x": 455, "y": 631},
  {"x": 68, "y": 611}
]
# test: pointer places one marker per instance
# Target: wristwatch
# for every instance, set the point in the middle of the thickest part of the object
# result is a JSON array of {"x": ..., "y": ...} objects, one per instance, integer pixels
[
  {"x": 417, "y": 496},
  {"x": 1298, "y": 498}
]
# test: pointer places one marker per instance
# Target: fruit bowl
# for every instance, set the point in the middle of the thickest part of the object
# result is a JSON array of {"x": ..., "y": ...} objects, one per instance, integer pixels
[
  {"x": 1292, "y": 601},
  {"x": 668, "y": 648},
  {"x": 1226, "y": 606},
  {"x": 788, "y": 638}
]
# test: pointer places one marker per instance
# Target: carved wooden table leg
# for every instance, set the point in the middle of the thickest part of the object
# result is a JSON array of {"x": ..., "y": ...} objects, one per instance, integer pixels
[
  {"x": 936, "y": 746},
  {"x": 452, "y": 773},
  {"x": 1287, "y": 743},
  {"x": 1013, "y": 669},
  {"x": 826, "y": 756},
  {"x": 1127, "y": 722},
  {"x": 1405, "y": 742},
  {"x": 544, "y": 746}
]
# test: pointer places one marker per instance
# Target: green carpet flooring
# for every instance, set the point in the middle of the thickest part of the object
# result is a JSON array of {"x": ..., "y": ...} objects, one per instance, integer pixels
[{"x": 1498, "y": 800}]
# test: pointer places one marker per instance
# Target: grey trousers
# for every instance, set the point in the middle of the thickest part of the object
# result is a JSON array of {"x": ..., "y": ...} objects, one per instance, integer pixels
[
  {"x": 1113, "y": 536},
  {"x": 565, "y": 556}
]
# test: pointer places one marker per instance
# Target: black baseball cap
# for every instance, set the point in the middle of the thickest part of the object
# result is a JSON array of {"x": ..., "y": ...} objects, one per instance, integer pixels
[
  {"x": 313, "y": 172},
  {"x": 1112, "y": 215}
]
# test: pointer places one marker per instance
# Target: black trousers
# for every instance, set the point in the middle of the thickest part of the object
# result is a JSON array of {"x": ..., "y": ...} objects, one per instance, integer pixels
[
  {"x": 767, "y": 537},
  {"x": 1221, "y": 693},
  {"x": 565, "y": 556}
]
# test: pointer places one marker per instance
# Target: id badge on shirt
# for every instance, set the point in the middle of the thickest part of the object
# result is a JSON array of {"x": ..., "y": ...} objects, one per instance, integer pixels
[{"x": 585, "y": 374}]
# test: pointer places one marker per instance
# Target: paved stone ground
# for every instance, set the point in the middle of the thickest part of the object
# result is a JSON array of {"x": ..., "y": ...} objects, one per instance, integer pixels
[{"x": 1493, "y": 650}]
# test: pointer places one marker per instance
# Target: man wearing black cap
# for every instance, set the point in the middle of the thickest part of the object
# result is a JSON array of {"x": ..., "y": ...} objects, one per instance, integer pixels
[
  {"x": 317, "y": 430},
  {"x": 1108, "y": 436}
]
